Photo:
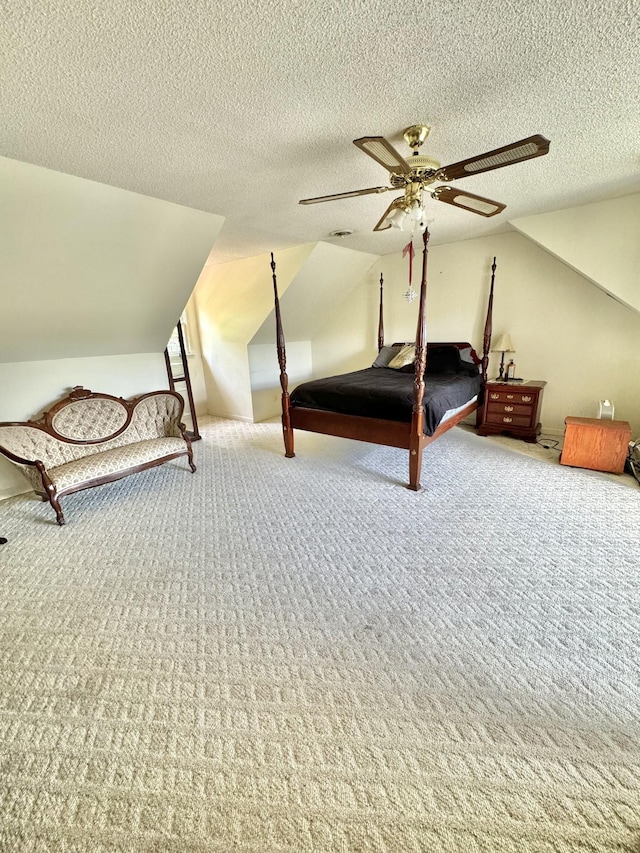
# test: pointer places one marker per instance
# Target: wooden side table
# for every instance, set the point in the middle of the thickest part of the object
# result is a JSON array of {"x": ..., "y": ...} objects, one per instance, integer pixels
[
  {"x": 512, "y": 407},
  {"x": 595, "y": 443}
]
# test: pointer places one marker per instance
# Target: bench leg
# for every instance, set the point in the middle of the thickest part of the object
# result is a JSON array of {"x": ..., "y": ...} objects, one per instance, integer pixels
[
  {"x": 55, "y": 503},
  {"x": 50, "y": 493}
]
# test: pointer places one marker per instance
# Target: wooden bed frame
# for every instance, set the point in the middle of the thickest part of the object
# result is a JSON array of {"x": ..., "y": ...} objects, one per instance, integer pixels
[{"x": 410, "y": 435}]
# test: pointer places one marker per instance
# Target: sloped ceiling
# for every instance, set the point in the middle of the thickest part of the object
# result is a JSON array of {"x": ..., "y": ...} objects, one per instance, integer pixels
[
  {"x": 321, "y": 284},
  {"x": 92, "y": 270},
  {"x": 599, "y": 241},
  {"x": 242, "y": 108}
]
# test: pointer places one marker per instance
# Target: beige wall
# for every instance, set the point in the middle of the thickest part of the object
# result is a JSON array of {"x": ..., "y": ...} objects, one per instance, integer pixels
[
  {"x": 264, "y": 375},
  {"x": 93, "y": 281},
  {"x": 194, "y": 363},
  {"x": 232, "y": 301},
  {"x": 234, "y": 304},
  {"x": 92, "y": 270},
  {"x": 28, "y": 388},
  {"x": 599, "y": 241},
  {"x": 565, "y": 330}
]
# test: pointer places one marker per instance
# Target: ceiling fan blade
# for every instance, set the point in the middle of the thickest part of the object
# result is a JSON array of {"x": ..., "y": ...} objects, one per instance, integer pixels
[
  {"x": 380, "y": 224},
  {"x": 384, "y": 153},
  {"x": 351, "y": 194},
  {"x": 468, "y": 201},
  {"x": 525, "y": 149}
]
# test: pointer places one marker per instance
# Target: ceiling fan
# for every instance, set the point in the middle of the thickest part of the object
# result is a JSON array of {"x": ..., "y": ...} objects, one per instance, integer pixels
[{"x": 418, "y": 172}]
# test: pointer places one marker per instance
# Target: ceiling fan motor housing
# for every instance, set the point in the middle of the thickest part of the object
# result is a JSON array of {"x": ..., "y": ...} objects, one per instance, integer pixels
[{"x": 419, "y": 164}]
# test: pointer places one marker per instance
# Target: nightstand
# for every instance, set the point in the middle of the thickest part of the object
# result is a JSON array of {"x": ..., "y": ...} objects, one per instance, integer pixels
[{"x": 512, "y": 407}]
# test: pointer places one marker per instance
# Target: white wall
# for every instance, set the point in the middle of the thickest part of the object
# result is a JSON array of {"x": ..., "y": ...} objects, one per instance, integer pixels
[
  {"x": 349, "y": 339},
  {"x": 29, "y": 388},
  {"x": 565, "y": 330}
]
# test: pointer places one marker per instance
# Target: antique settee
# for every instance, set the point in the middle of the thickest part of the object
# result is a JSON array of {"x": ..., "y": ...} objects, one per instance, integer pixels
[{"x": 88, "y": 439}]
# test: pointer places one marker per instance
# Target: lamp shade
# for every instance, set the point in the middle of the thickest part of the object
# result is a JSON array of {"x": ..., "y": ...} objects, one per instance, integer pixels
[
  {"x": 396, "y": 218},
  {"x": 503, "y": 344}
]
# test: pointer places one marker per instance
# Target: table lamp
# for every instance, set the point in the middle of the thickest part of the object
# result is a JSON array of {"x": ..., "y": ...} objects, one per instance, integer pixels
[{"x": 503, "y": 345}]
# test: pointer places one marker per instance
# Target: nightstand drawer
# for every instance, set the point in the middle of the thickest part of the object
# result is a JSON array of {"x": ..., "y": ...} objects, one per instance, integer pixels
[
  {"x": 512, "y": 397},
  {"x": 508, "y": 420},
  {"x": 494, "y": 408}
]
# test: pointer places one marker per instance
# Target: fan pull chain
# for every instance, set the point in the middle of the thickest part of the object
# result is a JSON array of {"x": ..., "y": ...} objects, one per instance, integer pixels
[{"x": 409, "y": 293}]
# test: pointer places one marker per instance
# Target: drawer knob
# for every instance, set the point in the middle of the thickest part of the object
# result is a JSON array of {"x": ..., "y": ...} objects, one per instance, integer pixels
[
  {"x": 507, "y": 420},
  {"x": 508, "y": 408},
  {"x": 527, "y": 399},
  {"x": 509, "y": 396},
  {"x": 495, "y": 396}
]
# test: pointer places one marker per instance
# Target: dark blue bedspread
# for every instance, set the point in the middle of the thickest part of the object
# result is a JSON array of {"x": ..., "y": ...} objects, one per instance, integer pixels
[{"x": 380, "y": 392}]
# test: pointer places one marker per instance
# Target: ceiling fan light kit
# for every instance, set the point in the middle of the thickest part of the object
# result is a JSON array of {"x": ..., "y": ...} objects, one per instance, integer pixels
[{"x": 415, "y": 174}]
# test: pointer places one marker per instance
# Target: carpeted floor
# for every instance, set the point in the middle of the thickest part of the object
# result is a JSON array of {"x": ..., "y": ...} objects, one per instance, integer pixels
[{"x": 302, "y": 655}]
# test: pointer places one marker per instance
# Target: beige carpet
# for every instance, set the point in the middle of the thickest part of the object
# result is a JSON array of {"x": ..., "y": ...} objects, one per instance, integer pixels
[
  {"x": 303, "y": 655},
  {"x": 548, "y": 448}
]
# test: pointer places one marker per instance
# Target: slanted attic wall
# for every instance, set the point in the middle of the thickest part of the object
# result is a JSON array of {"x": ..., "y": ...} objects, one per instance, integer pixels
[
  {"x": 231, "y": 302},
  {"x": 599, "y": 241},
  {"x": 236, "y": 317},
  {"x": 93, "y": 280},
  {"x": 92, "y": 270}
]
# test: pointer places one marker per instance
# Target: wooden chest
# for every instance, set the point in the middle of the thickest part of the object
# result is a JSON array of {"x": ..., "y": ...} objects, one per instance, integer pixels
[
  {"x": 600, "y": 445},
  {"x": 514, "y": 408}
]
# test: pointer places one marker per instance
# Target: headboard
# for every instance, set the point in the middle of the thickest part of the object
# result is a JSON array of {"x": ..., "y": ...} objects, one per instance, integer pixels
[{"x": 467, "y": 352}]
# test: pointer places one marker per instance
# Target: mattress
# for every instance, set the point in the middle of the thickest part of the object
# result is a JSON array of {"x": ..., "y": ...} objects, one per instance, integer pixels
[{"x": 380, "y": 392}]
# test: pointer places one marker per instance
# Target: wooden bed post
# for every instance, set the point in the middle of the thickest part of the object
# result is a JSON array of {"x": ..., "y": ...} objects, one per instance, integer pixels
[
  {"x": 486, "y": 345},
  {"x": 380, "y": 317},
  {"x": 416, "y": 437},
  {"x": 287, "y": 432}
]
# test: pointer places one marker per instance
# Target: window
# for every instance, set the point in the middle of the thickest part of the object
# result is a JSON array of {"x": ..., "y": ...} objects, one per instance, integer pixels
[{"x": 173, "y": 347}]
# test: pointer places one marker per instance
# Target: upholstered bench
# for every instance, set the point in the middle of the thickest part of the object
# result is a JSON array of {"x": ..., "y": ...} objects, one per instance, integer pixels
[{"x": 88, "y": 439}]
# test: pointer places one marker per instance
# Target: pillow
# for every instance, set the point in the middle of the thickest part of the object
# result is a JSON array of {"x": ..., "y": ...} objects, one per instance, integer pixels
[
  {"x": 446, "y": 359},
  {"x": 407, "y": 355},
  {"x": 465, "y": 355},
  {"x": 385, "y": 355}
]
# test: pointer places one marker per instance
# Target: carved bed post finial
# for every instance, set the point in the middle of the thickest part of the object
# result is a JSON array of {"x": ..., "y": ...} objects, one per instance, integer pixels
[
  {"x": 381, "y": 316},
  {"x": 421, "y": 331},
  {"x": 417, "y": 421},
  {"x": 488, "y": 326},
  {"x": 287, "y": 432},
  {"x": 486, "y": 345}
]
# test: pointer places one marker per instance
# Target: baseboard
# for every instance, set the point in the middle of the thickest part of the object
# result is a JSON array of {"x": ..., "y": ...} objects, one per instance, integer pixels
[
  {"x": 552, "y": 431},
  {"x": 13, "y": 492},
  {"x": 229, "y": 417}
]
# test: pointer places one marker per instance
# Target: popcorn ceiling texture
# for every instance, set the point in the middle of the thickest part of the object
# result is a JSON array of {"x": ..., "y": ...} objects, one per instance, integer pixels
[{"x": 242, "y": 108}]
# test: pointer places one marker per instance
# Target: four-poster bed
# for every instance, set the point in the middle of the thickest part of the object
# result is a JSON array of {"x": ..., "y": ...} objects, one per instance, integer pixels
[{"x": 389, "y": 406}]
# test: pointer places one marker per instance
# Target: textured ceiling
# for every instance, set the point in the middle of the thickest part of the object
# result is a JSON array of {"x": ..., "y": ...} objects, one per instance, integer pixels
[{"x": 242, "y": 108}]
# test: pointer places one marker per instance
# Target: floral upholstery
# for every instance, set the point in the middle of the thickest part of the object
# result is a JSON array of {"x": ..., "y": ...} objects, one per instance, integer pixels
[
  {"x": 114, "y": 461},
  {"x": 152, "y": 434},
  {"x": 153, "y": 417}
]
